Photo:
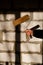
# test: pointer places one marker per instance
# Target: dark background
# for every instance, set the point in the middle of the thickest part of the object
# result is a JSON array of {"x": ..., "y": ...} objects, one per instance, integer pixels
[{"x": 21, "y": 5}]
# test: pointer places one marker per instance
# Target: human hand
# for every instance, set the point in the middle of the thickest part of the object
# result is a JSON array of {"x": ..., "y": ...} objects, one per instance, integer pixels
[{"x": 29, "y": 34}]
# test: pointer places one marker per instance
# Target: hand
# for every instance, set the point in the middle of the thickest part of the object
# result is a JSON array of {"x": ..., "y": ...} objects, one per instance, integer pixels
[{"x": 29, "y": 33}]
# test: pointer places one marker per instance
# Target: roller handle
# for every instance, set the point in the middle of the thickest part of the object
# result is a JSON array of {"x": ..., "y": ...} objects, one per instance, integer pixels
[{"x": 35, "y": 27}]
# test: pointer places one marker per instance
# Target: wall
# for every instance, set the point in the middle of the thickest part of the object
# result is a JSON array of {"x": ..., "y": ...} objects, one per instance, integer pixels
[{"x": 31, "y": 51}]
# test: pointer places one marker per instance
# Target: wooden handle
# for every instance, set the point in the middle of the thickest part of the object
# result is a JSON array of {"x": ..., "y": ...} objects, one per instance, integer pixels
[{"x": 21, "y": 20}]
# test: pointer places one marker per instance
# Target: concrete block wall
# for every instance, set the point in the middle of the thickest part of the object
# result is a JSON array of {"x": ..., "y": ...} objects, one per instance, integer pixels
[{"x": 31, "y": 52}]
